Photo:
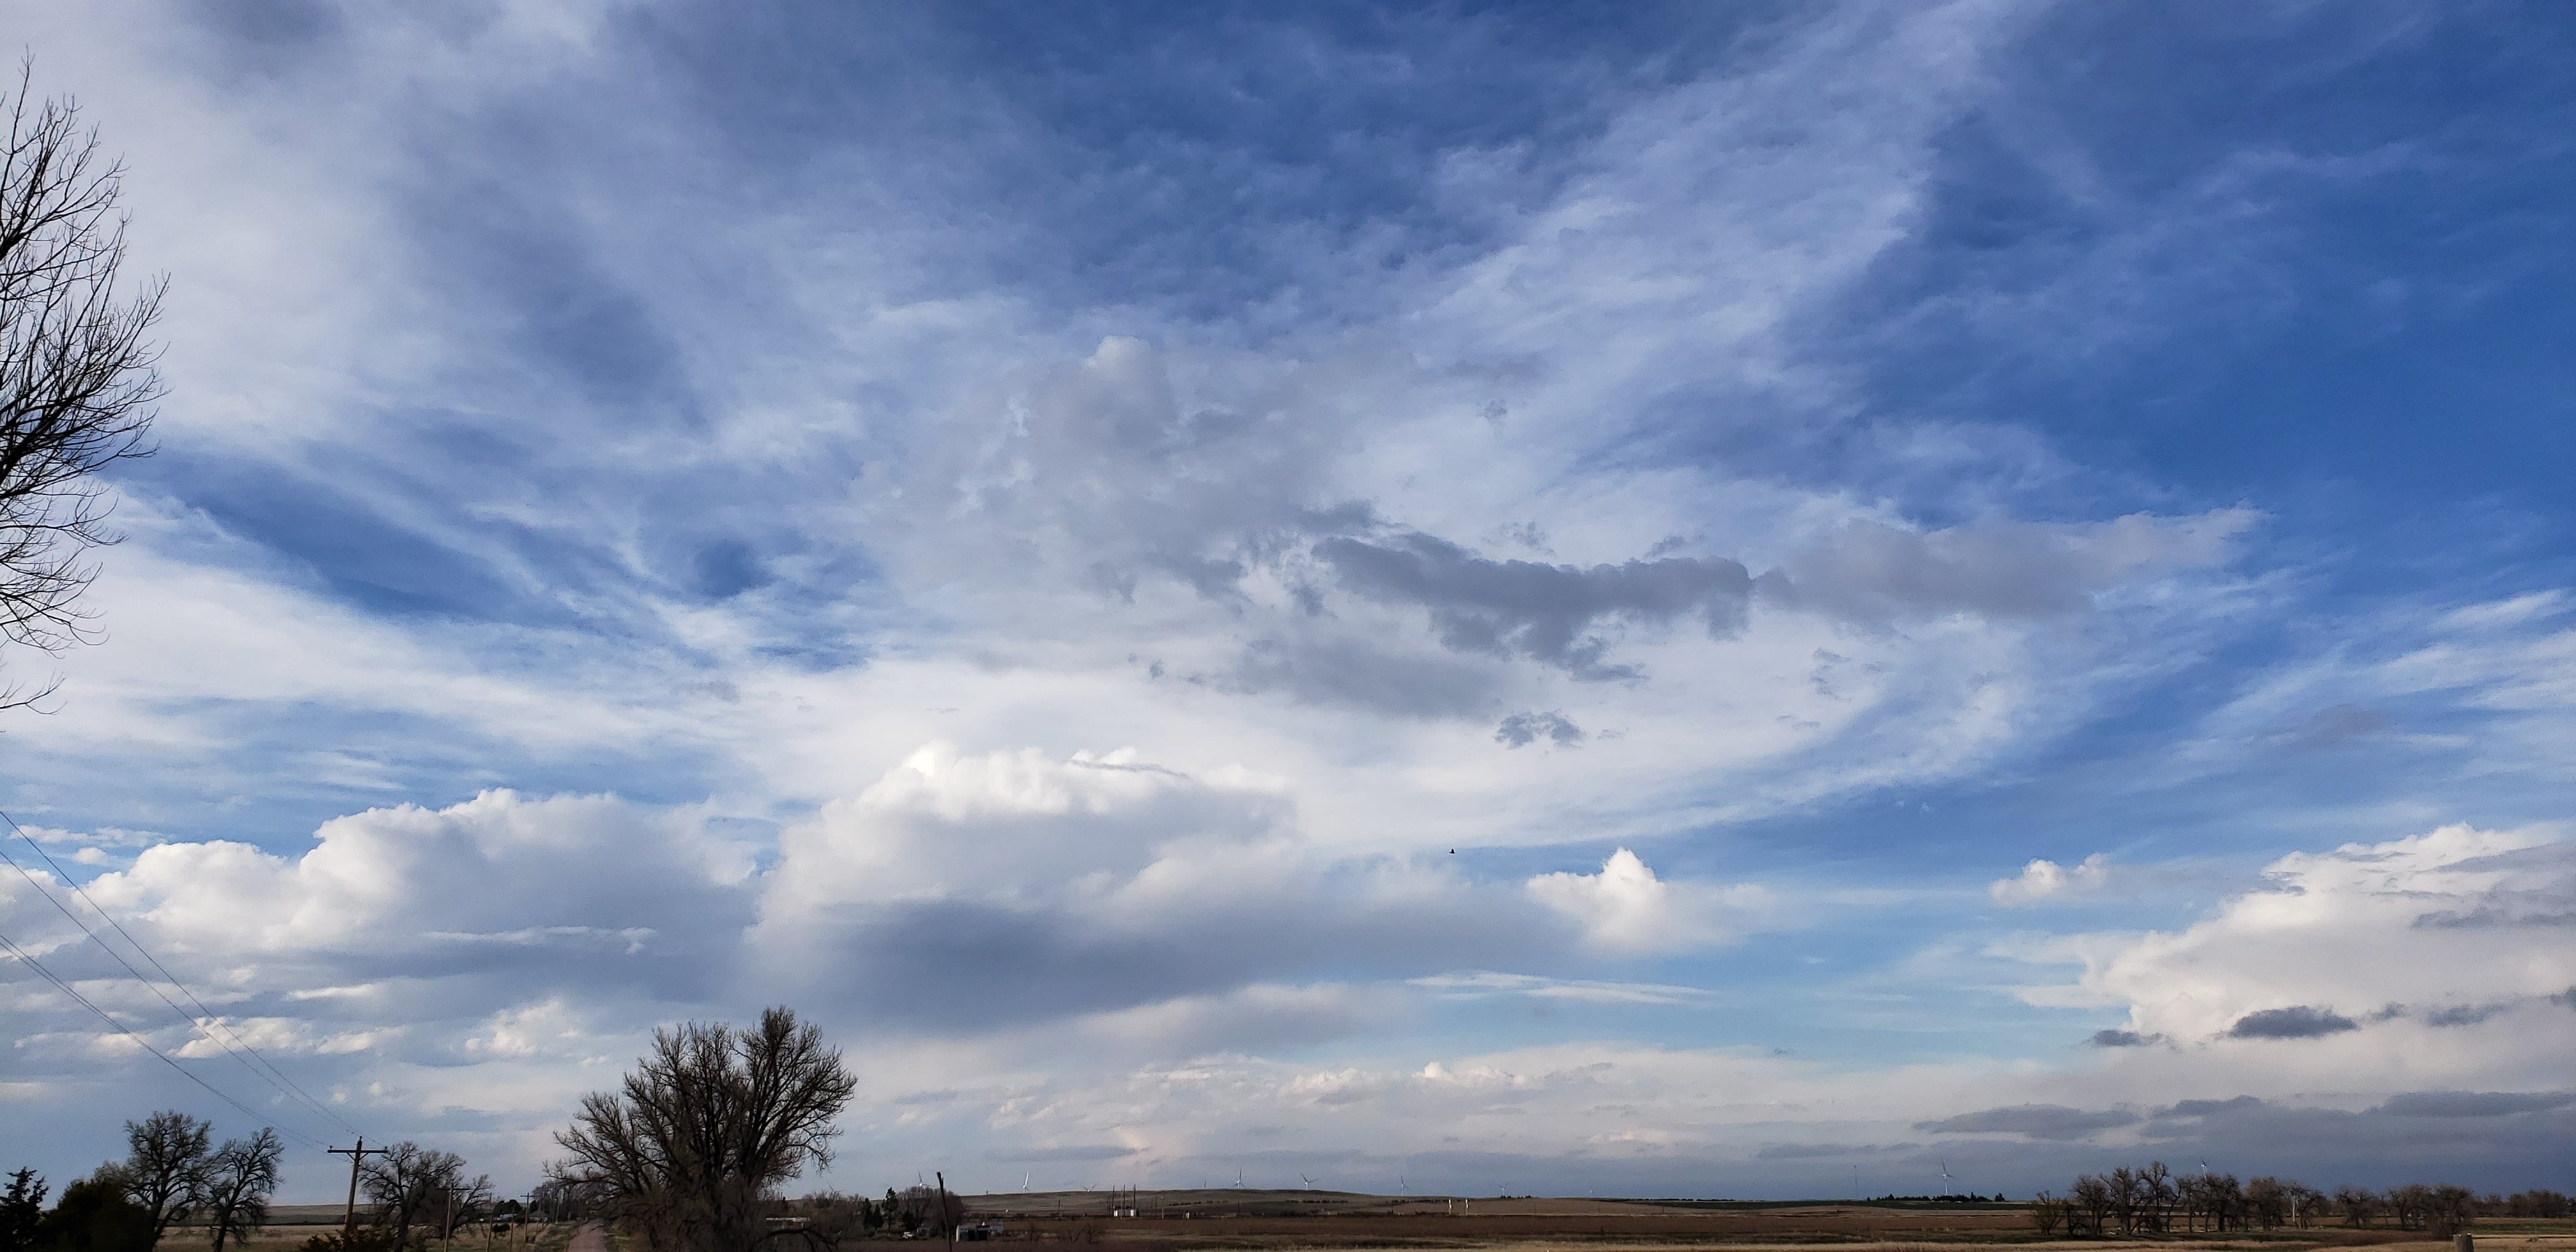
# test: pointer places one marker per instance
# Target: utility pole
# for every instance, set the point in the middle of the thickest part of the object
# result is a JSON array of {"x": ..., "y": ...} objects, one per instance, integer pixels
[
  {"x": 942, "y": 1176},
  {"x": 349, "y": 1222}
]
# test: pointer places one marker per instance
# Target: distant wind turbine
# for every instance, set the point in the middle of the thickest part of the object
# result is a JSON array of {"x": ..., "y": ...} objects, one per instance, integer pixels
[
  {"x": 1946, "y": 1188},
  {"x": 1310, "y": 1183}
]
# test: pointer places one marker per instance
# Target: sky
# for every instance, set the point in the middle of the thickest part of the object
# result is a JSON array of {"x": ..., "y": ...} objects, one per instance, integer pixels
[{"x": 1755, "y": 601}]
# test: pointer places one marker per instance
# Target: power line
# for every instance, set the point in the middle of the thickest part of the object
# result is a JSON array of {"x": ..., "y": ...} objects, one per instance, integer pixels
[
  {"x": 28, "y": 959},
  {"x": 284, "y": 1088},
  {"x": 275, "y": 1076}
]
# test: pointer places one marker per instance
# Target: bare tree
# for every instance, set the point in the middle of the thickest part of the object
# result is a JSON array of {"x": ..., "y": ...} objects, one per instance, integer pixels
[
  {"x": 164, "y": 1171},
  {"x": 710, "y": 1121},
  {"x": 2091, "y": 1205},
  {"x": 2048, "y": 1214},
  {"x": 2357, "y": 1204},
  {"x": 238, "y": 1181},
  {"x": 2267, "y": 1203},
  {"x": 2307, "y": 1204},
  {"x": 76, "y": 369},
  {"x": 2125, "y": 1196},
  {"x": 403, "y": 1181},
  {"x": 2157, "y": 1192},
  {"x": 2408, "y": 1204},
  {"x": 456, "y": 1202}
]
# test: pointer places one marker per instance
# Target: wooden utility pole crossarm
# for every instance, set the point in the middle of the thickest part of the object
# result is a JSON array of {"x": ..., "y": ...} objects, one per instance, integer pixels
[{"x": 349, "y": 1222}]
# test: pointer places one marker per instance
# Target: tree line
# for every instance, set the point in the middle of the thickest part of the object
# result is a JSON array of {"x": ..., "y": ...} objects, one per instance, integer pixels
[
  {"x": 174, "y": 1174},
  {"x": 2157, "y": 1200},
  {"x": 687, "y": 1156}
]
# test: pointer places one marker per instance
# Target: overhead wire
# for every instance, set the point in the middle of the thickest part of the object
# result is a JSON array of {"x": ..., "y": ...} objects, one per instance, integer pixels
[
  {"x": 24, "y": 957},
  {"x": 274, "y": 1078}
]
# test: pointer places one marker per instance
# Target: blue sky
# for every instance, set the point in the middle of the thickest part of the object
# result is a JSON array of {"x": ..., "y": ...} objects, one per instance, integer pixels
[{"x": 1680, "y": 604}]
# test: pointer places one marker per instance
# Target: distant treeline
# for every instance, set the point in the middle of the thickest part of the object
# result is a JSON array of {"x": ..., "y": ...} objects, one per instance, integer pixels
[{"x": 2157, "y": 1200}]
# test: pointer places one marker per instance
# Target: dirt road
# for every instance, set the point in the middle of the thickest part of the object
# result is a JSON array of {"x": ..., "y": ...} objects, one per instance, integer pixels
[{"x": 592, "y": 1237}]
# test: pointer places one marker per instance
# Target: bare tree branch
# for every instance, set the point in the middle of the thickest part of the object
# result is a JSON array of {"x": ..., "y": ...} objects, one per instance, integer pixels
[{"x": 77, "y": 376}]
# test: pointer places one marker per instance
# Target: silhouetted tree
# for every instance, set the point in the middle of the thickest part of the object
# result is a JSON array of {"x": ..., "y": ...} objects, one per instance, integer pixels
[
  {"x": 2157, "y": 1194},
  {"x": 22, "y": 1206},
  {"x": 2307, "y": 1204},
  {"x": 76, "y": 371},
  {"x": 95, "y": 1216},
  {"x": 165, "y": 1165},
  {"x": 2408, "y": 1203},
  {"x": 710, "y": 1120},
  {"x": 2357, "y": 1205},
  {"x": 2092, "y": 1204},
  {"x": 455, "y": 1202},
  {"x": 2048, "y": 1214},
  {"x": 2267, "y": 1203},
  {"x": 237, "y": 1183},
  {"x": 2448, "y": 1210},
  {"x": 402, "y": 1181}
]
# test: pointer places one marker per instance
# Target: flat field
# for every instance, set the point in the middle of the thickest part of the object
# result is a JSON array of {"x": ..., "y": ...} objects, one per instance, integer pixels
[
  {"x": 1229, "y": 1220},
  {"x": 1258, "y": 1221}
]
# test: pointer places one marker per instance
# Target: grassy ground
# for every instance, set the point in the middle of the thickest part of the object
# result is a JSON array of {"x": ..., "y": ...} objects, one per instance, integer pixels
[{"x": 1228, "y": 1220}]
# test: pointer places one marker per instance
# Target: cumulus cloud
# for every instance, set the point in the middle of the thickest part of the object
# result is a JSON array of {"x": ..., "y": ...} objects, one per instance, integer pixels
[
  {"x": 1625, "y": 907},
  {"x": 2290, "y": 962},
  {"x": 2043, "y": 879},
  {"x": 1152, "y": 901}
]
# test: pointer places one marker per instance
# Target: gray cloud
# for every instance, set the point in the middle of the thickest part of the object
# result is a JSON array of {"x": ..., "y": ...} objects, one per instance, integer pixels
[
  {"x": 2122, "y": 1039},
  {"x": 1816, "y": 1151},
  {"x": 1090, "y": 1152},
  {"x": 2475, "y": 1103},
  {"x": 2465, "y": 1014},
  {"x": 2299, "y": 1021},
  {"x": 1523, "y": 729},
  {"x": 1872, "y": 572},
  {"x": 1329, "y": 669},
  {"x": 1548, "y": 613},
  {"x": 2037, "y": 1121},
  {"x": 2211, "y": 1108}
]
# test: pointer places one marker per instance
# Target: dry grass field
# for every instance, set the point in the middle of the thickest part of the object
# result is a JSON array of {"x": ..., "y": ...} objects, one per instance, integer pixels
[
  {"x": 1258, "y": 1221},
  {"x": 1230, "y": 1220}
]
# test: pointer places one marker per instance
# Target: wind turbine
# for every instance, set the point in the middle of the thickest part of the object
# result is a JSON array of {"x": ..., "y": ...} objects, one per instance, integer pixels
[
  {"x": 1238, "y": 1175},
  {"x": 1024, "y": 1183},
  {"x": 1310, "y": 1183},
  {"x": 1946, "y": 1188}
]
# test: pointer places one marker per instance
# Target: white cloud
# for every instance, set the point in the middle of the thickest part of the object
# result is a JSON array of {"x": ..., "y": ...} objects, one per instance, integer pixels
[
  {"x": 1624, "y": 907},
  {"x": 2044, "y": 879},
  {"x": 2417, "y": 963}
]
